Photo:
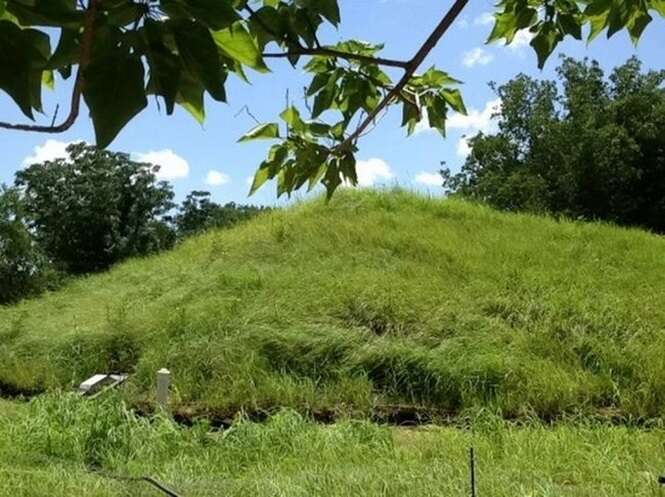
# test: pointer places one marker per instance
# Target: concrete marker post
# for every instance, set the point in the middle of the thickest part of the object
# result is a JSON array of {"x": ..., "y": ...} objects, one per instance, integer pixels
[{"x": 163, "y": 384}]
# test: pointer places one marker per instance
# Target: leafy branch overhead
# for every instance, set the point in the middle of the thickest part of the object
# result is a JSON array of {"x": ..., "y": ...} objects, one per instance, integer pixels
[{"x": 124, "y": 51}]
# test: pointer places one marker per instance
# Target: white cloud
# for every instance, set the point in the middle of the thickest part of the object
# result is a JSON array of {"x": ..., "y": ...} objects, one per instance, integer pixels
[
  {"x": 477, "y": 56},
  {"x": 372, "y": 171},
  {"x": 49, "y": 150},
  {"x": 429, "y": 179},
  {"x": 249, "y": 180},
  {"x": 521, "y": 40},
  {"x": 217, "y": 178},
  {"x": 484, "y": 19},
  {"x": 463, "y": 147},
  {"x": 463, "y": 23},
  {"x": 171, "y": 165},
  {"x": 476, "y": 120}
]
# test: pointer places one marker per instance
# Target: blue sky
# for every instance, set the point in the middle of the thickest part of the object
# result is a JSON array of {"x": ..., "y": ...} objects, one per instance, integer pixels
[{"x": 209, "y": 157}]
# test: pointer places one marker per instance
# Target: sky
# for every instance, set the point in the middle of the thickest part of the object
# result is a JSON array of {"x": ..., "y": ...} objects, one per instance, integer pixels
[{"x": 208, "y": 157}]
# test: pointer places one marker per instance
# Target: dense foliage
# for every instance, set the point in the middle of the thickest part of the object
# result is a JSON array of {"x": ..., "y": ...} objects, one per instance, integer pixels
[
  {"x": 24, "y": 269},
  {"x": 198, "y": 213},
  {"x": 586, "y": 147},
  {"x": 85, "y": 212},
  {"x": 95, "y": 208},
  {"x": 181, "y": 50}
]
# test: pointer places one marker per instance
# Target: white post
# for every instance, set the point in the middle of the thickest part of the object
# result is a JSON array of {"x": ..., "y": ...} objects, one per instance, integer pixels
[{"x": 163, "y": 383}]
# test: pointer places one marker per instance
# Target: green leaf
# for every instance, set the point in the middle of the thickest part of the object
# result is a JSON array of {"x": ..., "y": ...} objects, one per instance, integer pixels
[
  {"x": 114, "y": 93},
  {"x": 505, "y": 26},
  {"x": 199, "y": 54},
  {"x": 237, "y": 43},
  {"x": 658, "y": 6},
  {"x": 324, "y": 99},
  {"x": 570, "y": 25},
  {"x": 126, "y": 12},
  {"x": 544, "y": 42},
  {"x": 318, "y": 82},
  {"x": 327, "y": 8},
  {"x": 637, "y": 26},
  {"x": 67, "y": 52},
  {"x": 267, "y": 16},
  {"x": 55, "y": 13},
  {"x": 509, "y": 22},
  {"x": 23, "y": 55},
  {"x": 454, "y": 100},
  {"x": 48, "y": 79},
  {"x": 262, "y": 131},
  {"x": 165, "y": 66},
  {"x": 261, "y": 176},
  {"x": 318, "y": 128},
  {"x": 190, "y": 96},
  {"x": 216, "y": 14},
  {"x": 316, "y": 177},
  {"x": 42, "y": 45},
  {"x": 270, "y": 167},
  {"x": 597, "y": 13},
  {"x": 411, "y": 116},
  {"x": 164, "y": 76},
  {"x": 619, "y": 17},
  {"x": 437, "y": 113},
  {"x": 330, "y": 10},
  {"x": 291, "y": 116},
  {"x": 436, "y": 77}
]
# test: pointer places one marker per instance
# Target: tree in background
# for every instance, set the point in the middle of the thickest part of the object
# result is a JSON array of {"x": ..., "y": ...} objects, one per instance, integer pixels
[
  {"x": 96, "y": 208},
  {"x": 198, "y": 213},
  {"x": 590, "y": 148},
  {"x": 124, "y": 51},
  {"x": 24, "y": 269}
]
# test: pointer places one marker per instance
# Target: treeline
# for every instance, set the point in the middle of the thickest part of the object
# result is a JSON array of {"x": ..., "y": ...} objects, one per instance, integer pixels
[
  {"x": 85, "y": 213},
  {"x": 586, "y": 146}
]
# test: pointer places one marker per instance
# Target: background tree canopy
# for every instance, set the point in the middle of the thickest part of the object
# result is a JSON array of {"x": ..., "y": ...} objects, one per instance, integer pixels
[
  {"x": 23, "y": 266},
  {"x": 588, "y": 147},
  {"x": 89, "y": 211},
  {"x": 198, "y": 213},
  {"x": 178, "y": 50},
  {"x": 95, "y": 208}
]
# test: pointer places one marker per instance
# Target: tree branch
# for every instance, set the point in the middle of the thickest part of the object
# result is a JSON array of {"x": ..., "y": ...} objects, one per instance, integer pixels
[
  {"x": 79, "y": 84},
  {"x": 298, "y": 49},
  {"x": 413, "y": 65},
  {"x": 330, "y": 52}
]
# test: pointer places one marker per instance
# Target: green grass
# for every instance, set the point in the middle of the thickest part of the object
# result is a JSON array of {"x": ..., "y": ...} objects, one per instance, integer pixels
[
  {"x": 48, "y": 450},
  {"x": 379, "y": 298}
]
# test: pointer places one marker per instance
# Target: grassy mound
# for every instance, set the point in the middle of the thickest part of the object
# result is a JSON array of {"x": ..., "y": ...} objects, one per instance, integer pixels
[{"x": 379, "y": 298}]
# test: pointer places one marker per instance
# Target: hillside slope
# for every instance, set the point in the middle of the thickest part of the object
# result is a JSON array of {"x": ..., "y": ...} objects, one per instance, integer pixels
[{"x": 379, "y": 298}]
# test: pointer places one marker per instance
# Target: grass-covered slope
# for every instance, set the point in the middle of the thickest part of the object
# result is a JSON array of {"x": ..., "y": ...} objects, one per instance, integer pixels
[
  {"x": 48, "y": 447},
  {"x": 378, "y": 298}
]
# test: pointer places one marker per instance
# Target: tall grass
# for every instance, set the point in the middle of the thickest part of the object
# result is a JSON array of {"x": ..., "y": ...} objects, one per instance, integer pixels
[
  {"x": 50, "y": 448},
  {"x": 380, "y": 297}
]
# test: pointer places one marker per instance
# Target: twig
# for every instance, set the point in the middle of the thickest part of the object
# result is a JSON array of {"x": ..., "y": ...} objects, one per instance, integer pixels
[
  {"x": 79, "y": 85},
  {"x": 55, "y": 114},
  {"x": 331, "y": 52},
  {"x": 298, "y": 49},
  {"x": 246, "y": 110},
  {"x": 148, "y": 479},
  {"x": 472, "y": 469},
  {"x": 418, "y": 59}
]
